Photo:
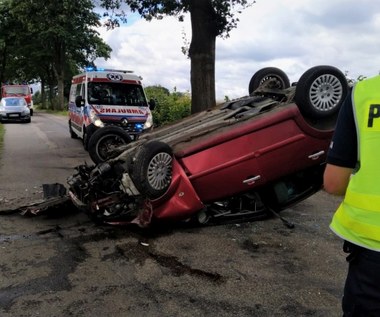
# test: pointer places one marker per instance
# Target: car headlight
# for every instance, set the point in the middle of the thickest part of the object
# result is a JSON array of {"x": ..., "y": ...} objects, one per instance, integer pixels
[
  {"x": 95, "y": 119},
  {"x": 149, "y": 121}
]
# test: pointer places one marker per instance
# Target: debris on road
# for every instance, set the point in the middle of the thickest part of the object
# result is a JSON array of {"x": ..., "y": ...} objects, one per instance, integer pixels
[{"x": 54, "y": 197}]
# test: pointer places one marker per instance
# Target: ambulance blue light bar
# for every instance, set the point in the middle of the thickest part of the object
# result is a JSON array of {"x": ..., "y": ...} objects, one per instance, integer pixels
[
  {"x": 100, "y": 69},
  {"x": 139, "y": 126}
]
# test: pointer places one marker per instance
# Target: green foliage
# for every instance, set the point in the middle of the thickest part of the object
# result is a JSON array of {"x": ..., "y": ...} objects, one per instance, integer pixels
[
  {"x": 223, "y": 12},
  {"x": 55, "y": 104},
  {"x": 37, "y": 98},
  {"x": 170, "y": 106},
  {"x": 48, "y": 41}
]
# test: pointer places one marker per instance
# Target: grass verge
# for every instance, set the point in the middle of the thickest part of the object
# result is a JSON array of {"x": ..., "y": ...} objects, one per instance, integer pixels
[{"x": 60, "y": 113}]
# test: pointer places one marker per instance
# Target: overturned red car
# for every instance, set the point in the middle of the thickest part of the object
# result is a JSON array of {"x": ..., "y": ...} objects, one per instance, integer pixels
[{"x": 245, "y": 159}]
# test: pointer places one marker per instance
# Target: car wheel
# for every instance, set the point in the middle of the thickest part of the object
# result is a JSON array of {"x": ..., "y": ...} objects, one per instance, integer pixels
[
  {"x": 72, "y": 133},
  {"x": 279, "y": 80},
  {"x": 85, "y": 139},
  {"x": 151, "y": 170},
  {"x": 321, "y": 91},
  {"x": 104, "y": 141}
]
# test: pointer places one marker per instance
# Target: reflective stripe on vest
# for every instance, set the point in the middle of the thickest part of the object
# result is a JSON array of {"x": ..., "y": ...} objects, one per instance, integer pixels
[{"x": 358, "y": 217}]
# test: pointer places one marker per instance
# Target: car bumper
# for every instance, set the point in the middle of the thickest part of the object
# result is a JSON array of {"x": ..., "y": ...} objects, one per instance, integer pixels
[{"x": 14, "y": 117}]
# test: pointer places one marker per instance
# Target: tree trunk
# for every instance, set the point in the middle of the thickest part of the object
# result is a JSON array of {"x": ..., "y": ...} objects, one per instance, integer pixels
[
  {"x": 59, "y": 69},
  {"x": 3, "y": 64},
  {"x": 61, "y": 97},
  {"x": 43, "y": 94},
  {"x": 51, "y": 96},
  {"x": 202, "y": 55}
]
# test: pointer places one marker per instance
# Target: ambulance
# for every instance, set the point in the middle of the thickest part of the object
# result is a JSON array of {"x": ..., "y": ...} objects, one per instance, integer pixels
[{"x": 100, "y": 97}]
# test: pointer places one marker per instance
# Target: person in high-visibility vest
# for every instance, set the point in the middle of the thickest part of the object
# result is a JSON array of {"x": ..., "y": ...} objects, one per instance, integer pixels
[{"x": 353, "y": 171}]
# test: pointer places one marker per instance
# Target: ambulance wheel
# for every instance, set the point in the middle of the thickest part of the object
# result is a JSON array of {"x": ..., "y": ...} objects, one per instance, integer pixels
[
  {"x": 105, "y": 141},
  {"x": 72, "y": 133},
  {"x": 85, "y": 139}
]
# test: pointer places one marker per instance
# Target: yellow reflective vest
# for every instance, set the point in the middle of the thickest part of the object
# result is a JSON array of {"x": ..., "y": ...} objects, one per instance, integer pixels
[{"x": 358, "y": 217}]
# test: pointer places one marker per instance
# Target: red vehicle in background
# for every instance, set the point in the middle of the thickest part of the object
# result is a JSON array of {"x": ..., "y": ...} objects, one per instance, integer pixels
[{"x": 21, "y": 90}]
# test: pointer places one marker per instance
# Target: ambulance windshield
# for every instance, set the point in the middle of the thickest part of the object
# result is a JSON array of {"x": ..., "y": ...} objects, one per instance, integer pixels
[{"x": 116, "y": 94}]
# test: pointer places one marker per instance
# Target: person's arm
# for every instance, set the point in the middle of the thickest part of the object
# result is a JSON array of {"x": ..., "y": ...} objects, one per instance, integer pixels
[
  {"x": 342, "y": 155},
  {"x": 336, "y": 178}
]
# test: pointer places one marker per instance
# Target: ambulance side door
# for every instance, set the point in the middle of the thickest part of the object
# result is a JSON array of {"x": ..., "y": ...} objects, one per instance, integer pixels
[{"x": 77, "y": 112}]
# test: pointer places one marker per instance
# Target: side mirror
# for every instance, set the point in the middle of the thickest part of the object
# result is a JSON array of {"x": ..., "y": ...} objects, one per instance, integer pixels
[
  {"x": 152, "y": 104},
  {"x": 79, "y": 102}
]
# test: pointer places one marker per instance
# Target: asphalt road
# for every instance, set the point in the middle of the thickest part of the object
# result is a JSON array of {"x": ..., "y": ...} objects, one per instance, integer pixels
[
  {"x": 37, "y": 153},
  {"x": 62, "y": 264}
]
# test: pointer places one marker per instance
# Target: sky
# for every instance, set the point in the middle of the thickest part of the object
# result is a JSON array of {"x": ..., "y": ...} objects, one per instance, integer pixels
[{"x": 292, "y": 35}]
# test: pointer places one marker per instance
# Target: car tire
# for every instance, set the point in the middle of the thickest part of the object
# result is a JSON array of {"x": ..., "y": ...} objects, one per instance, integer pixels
[
  {"x": 151, "y": 169},
  {"x": 73, "y": 135},
  {"x": 321, "y": 91},
  {"x": 265, "y": 74},
  {"x": 85, "y": 139},
  {"x": 104, "y": 140}
]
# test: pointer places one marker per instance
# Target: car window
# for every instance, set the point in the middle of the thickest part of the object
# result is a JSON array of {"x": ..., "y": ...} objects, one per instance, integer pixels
[
  {"x": 78, "y": 91},
  {"x": 15, "y": 102}
]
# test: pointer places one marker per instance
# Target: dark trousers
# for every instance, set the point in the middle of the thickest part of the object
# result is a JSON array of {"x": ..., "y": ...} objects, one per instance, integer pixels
[{"x": 362, "y": 289}]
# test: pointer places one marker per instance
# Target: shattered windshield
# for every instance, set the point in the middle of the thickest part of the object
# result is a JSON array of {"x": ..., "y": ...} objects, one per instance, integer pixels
[{"x": 119, "y": 94}]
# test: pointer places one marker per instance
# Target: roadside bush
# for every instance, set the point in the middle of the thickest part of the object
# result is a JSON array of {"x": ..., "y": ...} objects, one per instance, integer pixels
[
  {"x": 50, "y": 103},
  {"x": 170, "y": 106},
  {"x": 37, "y": 98}
]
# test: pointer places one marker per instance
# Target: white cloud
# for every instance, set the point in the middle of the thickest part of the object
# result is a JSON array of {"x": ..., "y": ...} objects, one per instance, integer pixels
[
  {"x": 293, "y": 35},
  {"x": 152, "y": 50}
]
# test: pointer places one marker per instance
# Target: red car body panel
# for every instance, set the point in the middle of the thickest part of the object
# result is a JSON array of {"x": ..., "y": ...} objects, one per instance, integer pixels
[
  {"x": 181, "y": 199},
  {"x": 265, "y": 147}
]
